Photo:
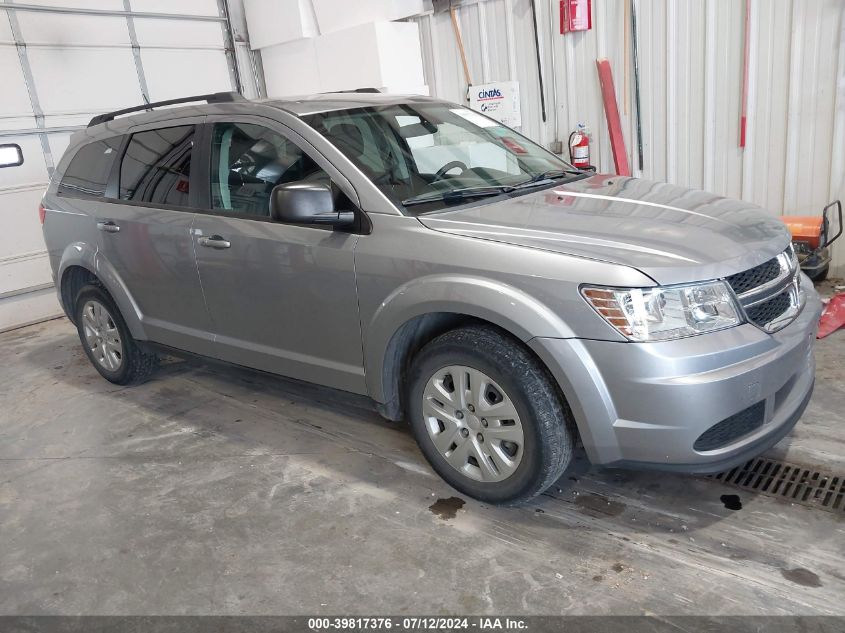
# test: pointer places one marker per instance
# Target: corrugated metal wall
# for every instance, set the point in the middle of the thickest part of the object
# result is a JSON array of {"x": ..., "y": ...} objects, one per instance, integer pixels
[{"x": 690, "y": 56}]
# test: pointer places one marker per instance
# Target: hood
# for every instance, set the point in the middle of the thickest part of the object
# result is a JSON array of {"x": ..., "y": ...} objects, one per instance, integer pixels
[{"x": 670, "y": 233}]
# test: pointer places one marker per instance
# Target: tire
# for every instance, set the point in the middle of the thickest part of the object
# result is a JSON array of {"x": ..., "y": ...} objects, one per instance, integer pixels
[
  {"x": 821, "y": 275},
  {"x": 501, "y": 471},
  {"x": 107, "y": 341}
]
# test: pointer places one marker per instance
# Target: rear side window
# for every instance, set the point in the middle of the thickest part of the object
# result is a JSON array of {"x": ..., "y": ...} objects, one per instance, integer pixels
[
  {"x": 88, "y": 172},
  {"x": 156, "y": 167}
]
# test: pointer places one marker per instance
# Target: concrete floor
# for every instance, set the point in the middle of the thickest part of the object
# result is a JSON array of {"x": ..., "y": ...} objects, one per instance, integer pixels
[{"x": 210, "y": 491}]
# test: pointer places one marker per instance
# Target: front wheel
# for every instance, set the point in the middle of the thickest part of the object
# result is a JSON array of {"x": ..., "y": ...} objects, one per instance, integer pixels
[{"x": 488, "y": 416}]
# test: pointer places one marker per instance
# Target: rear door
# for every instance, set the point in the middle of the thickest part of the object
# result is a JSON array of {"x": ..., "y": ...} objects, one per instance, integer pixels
[
  {"x": 145, "y": 233},
  {"x": 282, "y": 297}
]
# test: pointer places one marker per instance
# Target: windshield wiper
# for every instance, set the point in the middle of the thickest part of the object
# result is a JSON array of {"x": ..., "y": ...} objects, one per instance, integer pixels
[
  {"x": 490, "y": 190},
  {"x": 552, "y": 174},
  {"x": 459, "y": 194}
]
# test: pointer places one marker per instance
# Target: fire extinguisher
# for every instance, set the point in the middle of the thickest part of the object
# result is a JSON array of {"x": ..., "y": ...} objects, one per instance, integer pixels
[{"x": 579, "y": 147}]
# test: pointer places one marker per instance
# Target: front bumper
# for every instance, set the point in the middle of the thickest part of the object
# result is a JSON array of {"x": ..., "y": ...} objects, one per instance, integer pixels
[{"x": 644, "y": 405}]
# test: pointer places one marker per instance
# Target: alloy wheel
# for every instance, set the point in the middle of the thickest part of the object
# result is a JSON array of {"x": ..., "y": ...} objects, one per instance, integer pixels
[
  {"x": 101, "y": 335},
  {"x": 473, "y": 423}
]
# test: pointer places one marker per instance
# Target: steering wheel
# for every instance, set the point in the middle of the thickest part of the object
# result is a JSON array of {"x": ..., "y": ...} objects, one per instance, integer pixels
[{"x": 449, "y": 167}]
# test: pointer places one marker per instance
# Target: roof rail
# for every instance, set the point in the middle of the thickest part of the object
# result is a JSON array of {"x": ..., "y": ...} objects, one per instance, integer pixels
[{"x": 217, "y": 97}]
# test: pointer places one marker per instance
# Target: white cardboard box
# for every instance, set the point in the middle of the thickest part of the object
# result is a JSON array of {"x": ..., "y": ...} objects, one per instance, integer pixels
[
  {"x": 291, "y": 68},
  {"x": 273, "y": 22},
  {"x": 371, "y": 55},
  {"x": 337, "y": 15}
]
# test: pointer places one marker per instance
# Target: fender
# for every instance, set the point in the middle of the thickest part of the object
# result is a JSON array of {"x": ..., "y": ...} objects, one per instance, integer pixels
[
  {"x": 498, "y": 303},
  {"x": 89, "y": 257}
]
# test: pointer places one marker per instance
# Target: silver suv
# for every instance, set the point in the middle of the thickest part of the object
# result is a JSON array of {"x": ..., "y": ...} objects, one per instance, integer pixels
[{"x": 504, "y": 303}]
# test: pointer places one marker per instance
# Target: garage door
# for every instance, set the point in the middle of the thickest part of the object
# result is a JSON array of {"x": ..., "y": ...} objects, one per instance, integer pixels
[{"x": 60, "y": 65}]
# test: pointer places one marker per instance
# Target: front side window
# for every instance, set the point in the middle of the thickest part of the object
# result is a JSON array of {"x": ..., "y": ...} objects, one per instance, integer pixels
[
  {"x": 156, "y": 167},
  {"x": 88, "y": 172},
  {"x": 426, "y": 156},
  {"x": 248, "y": 160}
]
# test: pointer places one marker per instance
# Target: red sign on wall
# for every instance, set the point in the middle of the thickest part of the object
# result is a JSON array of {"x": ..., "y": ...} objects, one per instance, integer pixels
[{"x": 575, "y": 15}]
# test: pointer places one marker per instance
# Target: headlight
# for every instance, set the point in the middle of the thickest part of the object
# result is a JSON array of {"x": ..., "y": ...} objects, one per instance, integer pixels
[{"x": 660, "y": 314}]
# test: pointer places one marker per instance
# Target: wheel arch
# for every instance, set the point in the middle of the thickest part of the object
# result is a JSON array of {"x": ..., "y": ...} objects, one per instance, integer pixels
[
  {"x": 417, "y": 313},
  {"x": 82, "y": 264}
]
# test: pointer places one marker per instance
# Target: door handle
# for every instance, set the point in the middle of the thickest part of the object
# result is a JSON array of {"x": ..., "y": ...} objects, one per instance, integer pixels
[
  {"x": 215, "y": 241},
  {"x": 108, "y": 226}
]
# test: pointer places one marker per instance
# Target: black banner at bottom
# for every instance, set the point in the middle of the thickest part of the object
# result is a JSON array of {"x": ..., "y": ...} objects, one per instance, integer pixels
[{"x": 408, "y": 624}]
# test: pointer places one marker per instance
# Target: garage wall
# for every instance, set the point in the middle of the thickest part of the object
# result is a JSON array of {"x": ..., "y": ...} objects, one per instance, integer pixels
[
  {"x": 62, "y": 62},
  {"x": 690, "y": 60}
]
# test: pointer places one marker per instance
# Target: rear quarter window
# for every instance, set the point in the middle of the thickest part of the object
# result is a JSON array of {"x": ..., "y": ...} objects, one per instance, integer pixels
[
  {"x": 88, "y": 172},
  {"x": 156, "y": 167}
]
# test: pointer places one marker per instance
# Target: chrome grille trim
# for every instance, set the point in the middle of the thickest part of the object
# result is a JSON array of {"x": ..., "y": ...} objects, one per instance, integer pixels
[
  {"x": 788, "y": 265},
  {"x": 752, "y": 299},
  {"x": 788, "y": 280}
]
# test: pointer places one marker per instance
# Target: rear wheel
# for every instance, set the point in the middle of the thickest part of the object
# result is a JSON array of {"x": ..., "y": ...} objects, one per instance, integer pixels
[
  {"x": 488, "y": 416},
  {"x": 107, "y": 341}
]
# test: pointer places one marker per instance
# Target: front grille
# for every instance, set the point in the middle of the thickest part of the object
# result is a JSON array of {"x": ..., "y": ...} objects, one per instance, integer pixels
[
  {"x": 769, "y": 293},
  {"x": 757, "y": 276},
  {"x": 768, "y": 311},
  {"x": 732, "y": 428}
]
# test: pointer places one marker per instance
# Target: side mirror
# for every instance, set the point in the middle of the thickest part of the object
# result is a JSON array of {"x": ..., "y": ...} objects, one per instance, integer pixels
[
  {"x": 307, "y": 203},
  {"x": 11, "y": 155}
]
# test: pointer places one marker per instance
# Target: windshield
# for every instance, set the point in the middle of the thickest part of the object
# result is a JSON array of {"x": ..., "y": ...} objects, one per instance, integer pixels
[{"x": 427, "y": 156}]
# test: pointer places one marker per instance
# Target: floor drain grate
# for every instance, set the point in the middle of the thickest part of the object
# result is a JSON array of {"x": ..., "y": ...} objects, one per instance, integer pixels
[{"x": 790, "y": 482}]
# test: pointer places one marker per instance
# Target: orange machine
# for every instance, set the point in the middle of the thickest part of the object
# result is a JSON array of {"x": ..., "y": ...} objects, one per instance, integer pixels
[{"x": 811, "y": 239}]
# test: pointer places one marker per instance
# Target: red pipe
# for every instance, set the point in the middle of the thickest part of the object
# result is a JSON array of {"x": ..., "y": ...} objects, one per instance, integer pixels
[{"x": 614, "y": 125}]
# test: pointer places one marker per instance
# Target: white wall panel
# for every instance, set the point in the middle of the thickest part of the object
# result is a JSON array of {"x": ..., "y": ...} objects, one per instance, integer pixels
[
  {"x": 32, "y": 171},
  {"x": 186, "y": 7},
  {"x": 30, "y": 308},
  {"x": 32, "y": 268},
  {"x": 20, "y": 230},
  {"x": 83, "y": 79},
  {"x": 25, "y": 277},
  {"x": 769, "y": 103},
  {"x": 815, "y": 44},
  {"x": 175, "y": 73},
  {"x": 177, "y": 33},
  {"x": 6, "y": 32},
  {"x": 15, "y": 110},
  {"x": 106, "y": 5},
  {"x": 690, "y": 56},
  {"x": 80, "y": 65},
  {"x": 23, "y": 260},
  {"x": 65, "y": 29},
  {"x": 837, "y": 166}
]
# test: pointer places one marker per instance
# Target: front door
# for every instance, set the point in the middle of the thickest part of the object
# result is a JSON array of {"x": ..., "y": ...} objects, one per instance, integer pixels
[
  {"x": 281, "y": 297},
  {"x": 145, "y": 235}
]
